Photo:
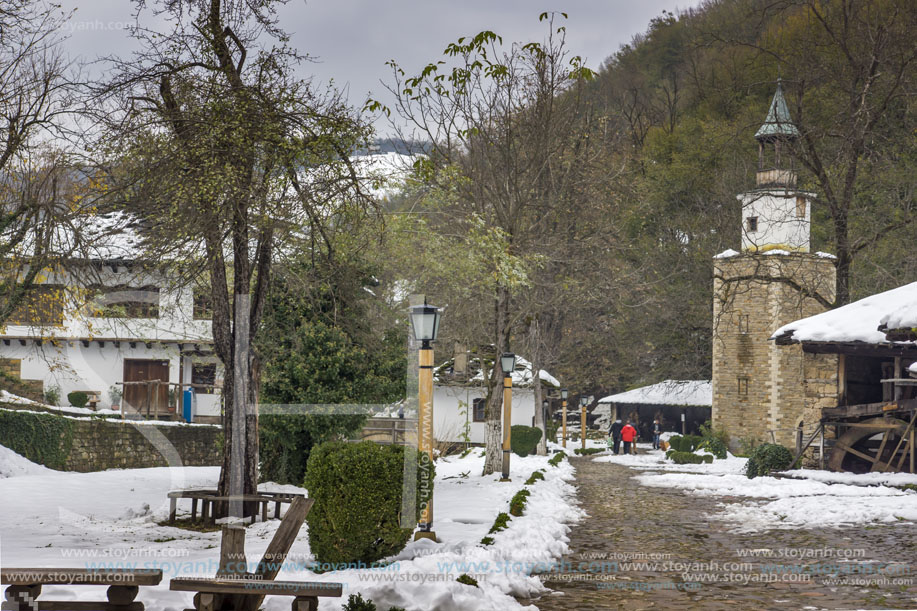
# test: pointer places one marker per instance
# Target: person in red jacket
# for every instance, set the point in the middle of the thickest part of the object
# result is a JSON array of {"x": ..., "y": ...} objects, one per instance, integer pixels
[{"x": 629, "y": 437}]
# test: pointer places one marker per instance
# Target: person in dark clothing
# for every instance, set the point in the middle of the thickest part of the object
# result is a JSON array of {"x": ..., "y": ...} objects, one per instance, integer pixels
[
  {"x": 657, "y": 431},
  {"x": 615, "y": 432}
]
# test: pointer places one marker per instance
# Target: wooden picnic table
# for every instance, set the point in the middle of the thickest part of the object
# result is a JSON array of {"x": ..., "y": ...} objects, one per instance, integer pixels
[
  {"x": 124, "y": 584},
  {"x": 305, "y": 593},
  {"x": 208, "y": 497}
]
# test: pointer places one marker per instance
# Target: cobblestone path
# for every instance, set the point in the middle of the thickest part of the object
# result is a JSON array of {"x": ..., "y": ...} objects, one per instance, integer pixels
[{"x": 627, "y": 520}]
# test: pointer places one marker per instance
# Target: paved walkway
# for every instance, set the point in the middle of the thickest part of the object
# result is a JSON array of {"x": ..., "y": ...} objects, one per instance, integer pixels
[{"x": 627, "y": 520}]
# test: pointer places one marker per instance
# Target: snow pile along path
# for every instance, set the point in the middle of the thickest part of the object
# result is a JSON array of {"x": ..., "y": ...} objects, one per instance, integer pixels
[
  {"x": 805, "y": 498},
  {"x": 111, "y": 518}
]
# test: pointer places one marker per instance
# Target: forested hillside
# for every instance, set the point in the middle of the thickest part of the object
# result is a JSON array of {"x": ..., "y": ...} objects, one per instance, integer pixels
[{"x": 624, "y": 185}]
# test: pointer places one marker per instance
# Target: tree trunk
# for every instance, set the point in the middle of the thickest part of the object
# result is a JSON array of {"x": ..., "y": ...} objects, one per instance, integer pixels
[
  {"x": 844, "y": 258},
  {"x": 493, "y": 437},
  {"x": 539, "y": 410}
]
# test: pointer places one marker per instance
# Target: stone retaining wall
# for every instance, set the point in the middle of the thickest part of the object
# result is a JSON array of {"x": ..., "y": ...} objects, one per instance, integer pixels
[{"x": 100, "y": 444}]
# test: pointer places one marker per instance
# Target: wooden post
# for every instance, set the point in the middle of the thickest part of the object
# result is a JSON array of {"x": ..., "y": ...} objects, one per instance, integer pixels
[
  {"x": 821, "y": 447},
  {"x": 563, "y": 419},
  {"x": 582, "y": 426},
  {"x": 172, "y": 506},
  {"x": 425, "y": 423},
  {"x": 507, "y": 423}
]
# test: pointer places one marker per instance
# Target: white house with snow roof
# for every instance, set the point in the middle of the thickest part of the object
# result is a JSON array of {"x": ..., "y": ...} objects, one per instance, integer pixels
[
  {"x": 120, "y": 332},
  {"x": 460, "y": 391}
]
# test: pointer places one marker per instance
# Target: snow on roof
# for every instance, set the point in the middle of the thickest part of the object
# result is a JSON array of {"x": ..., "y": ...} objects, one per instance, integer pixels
[
  {"x": 726, "y": 254},
  {"x": 855, "y": 322},
  {"x": 522, "y": 375},
  {"x": 669, "y": 392}
]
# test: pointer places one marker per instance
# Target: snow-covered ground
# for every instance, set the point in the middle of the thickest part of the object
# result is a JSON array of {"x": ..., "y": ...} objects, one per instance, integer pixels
[
  {"x": 804, "y": 498},
  {"x": 109, "y": 518}
]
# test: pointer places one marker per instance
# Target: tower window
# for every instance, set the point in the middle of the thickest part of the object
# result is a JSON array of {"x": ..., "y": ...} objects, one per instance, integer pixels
[
  {"x": 800, "y": 207},
  {"x": 743, "y": 324},
  {"x": 751, "y": 224},
  {"x": 743, "y": 387}
]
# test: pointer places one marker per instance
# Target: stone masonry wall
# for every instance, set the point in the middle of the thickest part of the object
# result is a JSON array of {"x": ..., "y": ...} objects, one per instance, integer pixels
[
  {"x": 100, "y": 444},
  {"x": 759, "y": 388}
]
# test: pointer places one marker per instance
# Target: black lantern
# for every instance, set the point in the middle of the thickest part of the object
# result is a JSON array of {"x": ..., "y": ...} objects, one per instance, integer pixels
[
  {"x": 564, "y": 393},
  {"x": 508, "y": 363},
  {"x": 425, "y": 320},
  {"x": 583, "y": 401}
]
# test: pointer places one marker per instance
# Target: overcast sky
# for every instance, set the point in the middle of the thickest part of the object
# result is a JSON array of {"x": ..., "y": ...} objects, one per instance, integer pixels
[{"x": 352, "y": 39}]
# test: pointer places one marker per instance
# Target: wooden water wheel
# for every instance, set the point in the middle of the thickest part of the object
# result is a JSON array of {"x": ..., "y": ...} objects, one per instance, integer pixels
[{"x": 878, "y": 444}]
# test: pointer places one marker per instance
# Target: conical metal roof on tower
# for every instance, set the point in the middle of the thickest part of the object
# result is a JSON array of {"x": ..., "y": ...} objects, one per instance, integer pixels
[{"x": 778, "y": 122}]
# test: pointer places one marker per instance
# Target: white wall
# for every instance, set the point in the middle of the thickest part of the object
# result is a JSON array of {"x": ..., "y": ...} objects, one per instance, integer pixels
[
  {"x": 778, "y": 223},
  {"x": 449, "y": 421}
]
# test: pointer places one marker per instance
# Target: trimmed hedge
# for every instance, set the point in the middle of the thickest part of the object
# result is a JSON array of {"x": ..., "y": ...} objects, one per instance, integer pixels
[
  {"x": 524, "y": 439},
  {"x": 500, "y": 523},
  {"x": 555, "y": 460},
  {"x": 588, "y": 451},
  {"x": 767, "y": 457},
  {"x": 688, "y": 458},
  {"x": 518, "y": 502},
  {"x": 78, "y": 398},
  {"x": 534, "y": 477},
  {"x": 357, "y": 489},
  {"x": 713, "y": 445},
  {"x": 685, "y": 443},
  {"x": 467, "y": 579},
  {"x": 45, "y": 439}
]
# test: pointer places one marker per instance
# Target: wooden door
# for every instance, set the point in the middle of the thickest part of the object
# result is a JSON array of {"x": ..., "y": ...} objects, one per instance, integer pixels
[{"x": 147, "y": 399}]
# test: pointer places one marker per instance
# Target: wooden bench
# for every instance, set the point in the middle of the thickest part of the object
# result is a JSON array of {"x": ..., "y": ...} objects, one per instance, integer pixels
[
  {"x": 208, "y": 497},
  {"x": 305, "y": 594},
  {"x": 123, "y": 586}
]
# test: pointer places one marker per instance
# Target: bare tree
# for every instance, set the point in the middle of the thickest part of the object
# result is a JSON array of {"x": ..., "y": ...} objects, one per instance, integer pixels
[{"x": 231, "y": 161}]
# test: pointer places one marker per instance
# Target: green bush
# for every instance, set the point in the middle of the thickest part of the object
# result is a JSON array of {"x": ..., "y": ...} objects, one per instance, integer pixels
[
  {"x": 714, "y": 445},
  {"x": 534, "y": 477},
  {"x": 518, "y": 502},
  {"x": 78, "y": 398},
  {"x": 685, "y": 458},
  {"x": 357, "y": 489},
  {"x": 42, "y": 438},
  {"x": 500, "y": 523},
  {"x": 468, "y": 580},
  {"x": 685, "y": 443},
  {"x": 766, "y": 458},
  {"x": 555, "y": 460},
  {"x": 588, "y": 451},
  {"x": 524, "y": 439}
]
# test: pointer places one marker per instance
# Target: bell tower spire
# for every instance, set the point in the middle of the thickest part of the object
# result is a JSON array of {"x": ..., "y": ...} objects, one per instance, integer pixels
[{"x": 775, "y": 216}]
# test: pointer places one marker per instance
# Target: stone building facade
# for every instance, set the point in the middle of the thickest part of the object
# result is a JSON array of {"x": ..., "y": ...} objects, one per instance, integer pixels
[
  {"x": 761, "y": 391},
  {"x": 759, "y": 387}
]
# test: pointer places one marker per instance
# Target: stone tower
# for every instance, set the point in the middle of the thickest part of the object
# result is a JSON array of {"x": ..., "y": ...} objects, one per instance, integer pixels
[{"x": 758, "y": 387}]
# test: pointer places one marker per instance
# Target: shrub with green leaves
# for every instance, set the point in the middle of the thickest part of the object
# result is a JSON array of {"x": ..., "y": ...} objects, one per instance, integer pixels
[
  {"x": 687, "y": 458},
  {"x": 713, "y": 445},
  {"x": 524, "y": 439},
  {"x": 766, "y": 458},
  {"x": 588, "y": 451},
  {"x": 500, "y": 523},
  {"x": 555, "y": 460},
  {"x": 685, "y": 443},
  {"x": 42, "y": 438},
  {"x": 518, "y": 502},
  {"x": 78, "y": 398},
  {"x": 534, "y": 477},
  {"x": 357, "y": 489},
  {"x": 468, "y": 580}
]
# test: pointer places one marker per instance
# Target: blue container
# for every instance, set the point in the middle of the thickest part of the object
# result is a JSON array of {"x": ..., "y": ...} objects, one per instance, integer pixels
[{"x": 188, "y": 404}]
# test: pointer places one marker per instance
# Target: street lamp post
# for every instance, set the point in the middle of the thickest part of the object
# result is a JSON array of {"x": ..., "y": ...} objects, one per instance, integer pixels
[
  {"x": 508, "y": 364},
  {"x": 564, "y": 393},
  {"x": 425, "y": 320},
  {"x": 583, "y": 402}
]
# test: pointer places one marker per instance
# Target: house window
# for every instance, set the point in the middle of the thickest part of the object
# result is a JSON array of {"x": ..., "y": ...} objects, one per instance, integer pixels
[
  {"x": 203, "y": 306},
  {"x": 203, "y": 377},
  {"x": 42, "y": 305},
  {"x": 751, "y": 224},
  {"x": 127, "y": 302},
  {"x": 743, "y": 324},
  {"x": 743, "y": 386},
  {"x": 800, "y": 207},
  {"x": 477, "y": 410}
]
